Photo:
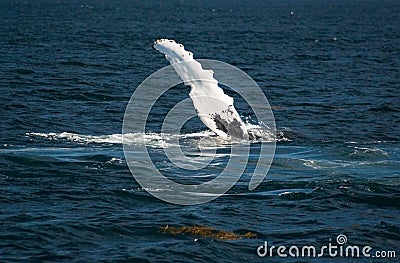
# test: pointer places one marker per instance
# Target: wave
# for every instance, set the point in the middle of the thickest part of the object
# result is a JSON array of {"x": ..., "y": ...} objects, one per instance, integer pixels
[
  {"x": 162, "y": 140},
  {"x": 79, "y": 138},
  {"x": 158, "y": 140}
]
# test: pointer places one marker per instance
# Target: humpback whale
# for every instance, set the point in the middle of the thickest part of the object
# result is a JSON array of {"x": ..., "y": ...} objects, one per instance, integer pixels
[{"x": 214, "y": 108}]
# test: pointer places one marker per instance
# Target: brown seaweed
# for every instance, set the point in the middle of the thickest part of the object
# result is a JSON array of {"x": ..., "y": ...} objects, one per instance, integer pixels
[{"x": 206, "y": 232}]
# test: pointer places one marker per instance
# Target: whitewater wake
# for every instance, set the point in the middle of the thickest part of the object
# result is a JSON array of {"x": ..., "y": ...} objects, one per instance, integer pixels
[{"x": 158, "y": 140}]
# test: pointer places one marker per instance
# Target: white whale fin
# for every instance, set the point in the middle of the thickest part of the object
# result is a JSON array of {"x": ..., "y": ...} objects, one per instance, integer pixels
[{"x": 213, "y": 106}]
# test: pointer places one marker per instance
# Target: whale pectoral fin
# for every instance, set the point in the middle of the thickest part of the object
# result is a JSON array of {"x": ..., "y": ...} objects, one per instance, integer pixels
[{"x": 213, "y": 106}]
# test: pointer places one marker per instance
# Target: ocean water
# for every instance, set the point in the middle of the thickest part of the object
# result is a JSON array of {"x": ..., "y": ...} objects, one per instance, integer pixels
[{"x": 330, "y": 70}]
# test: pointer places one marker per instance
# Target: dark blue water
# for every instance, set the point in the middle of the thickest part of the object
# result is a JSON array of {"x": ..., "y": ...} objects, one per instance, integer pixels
[{"x": 330, "y": 70}]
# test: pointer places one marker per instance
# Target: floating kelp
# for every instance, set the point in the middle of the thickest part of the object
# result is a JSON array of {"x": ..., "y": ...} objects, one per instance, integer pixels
[{"x": 205, "y": 231}]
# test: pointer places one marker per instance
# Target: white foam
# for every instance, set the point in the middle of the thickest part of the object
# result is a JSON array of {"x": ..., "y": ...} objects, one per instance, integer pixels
[
  {"x": 368, "y": 150},
  {"x": 156, "y": 140},
  {"x": 79, "y": 138},
  {"x": 159, "y": 140}
]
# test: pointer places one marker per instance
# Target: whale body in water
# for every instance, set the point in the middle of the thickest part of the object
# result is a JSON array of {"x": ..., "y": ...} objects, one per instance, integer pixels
[{"x": 214, "y": 108}]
